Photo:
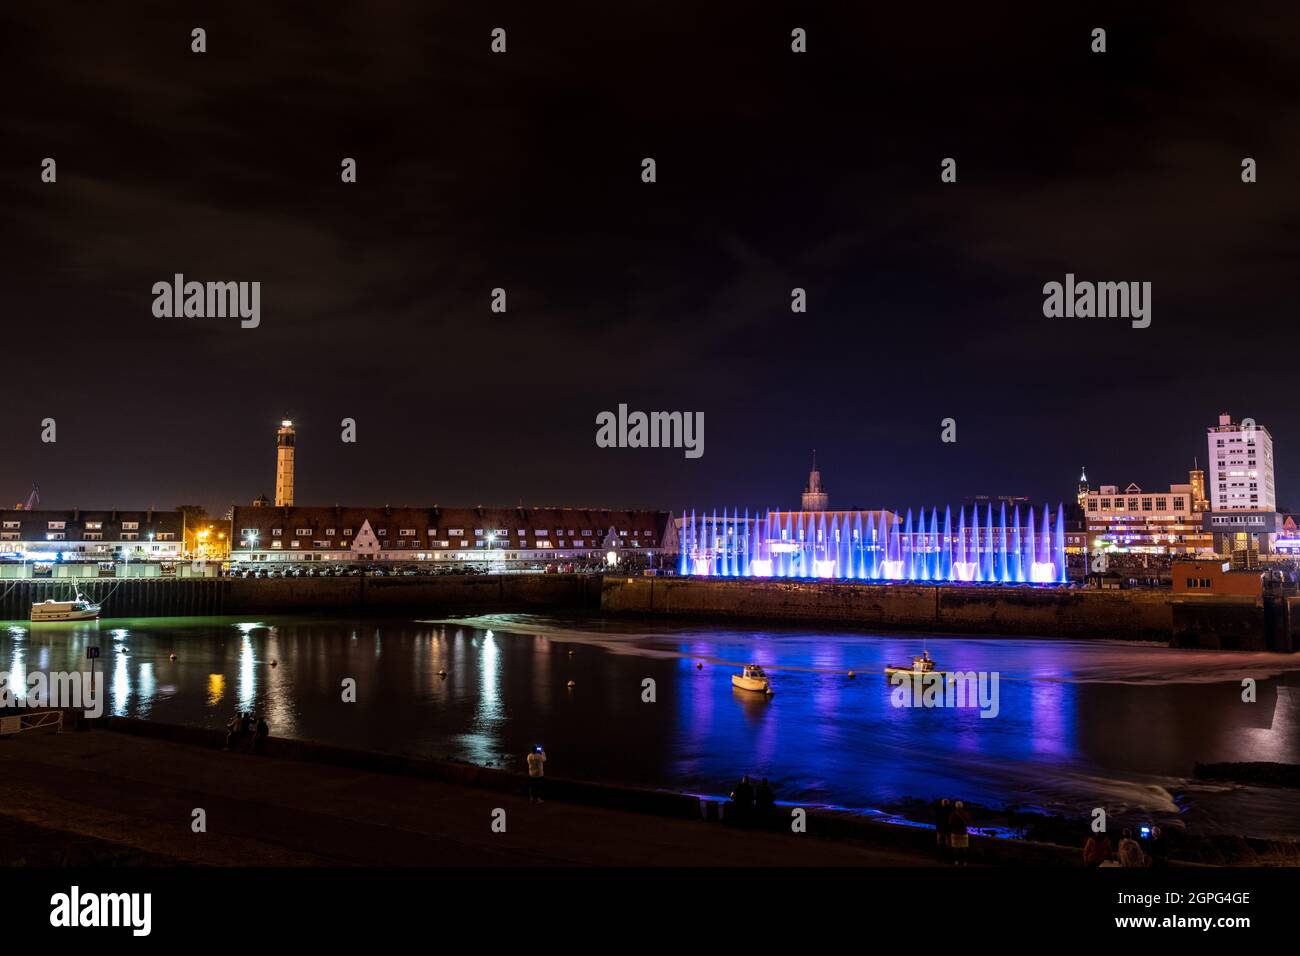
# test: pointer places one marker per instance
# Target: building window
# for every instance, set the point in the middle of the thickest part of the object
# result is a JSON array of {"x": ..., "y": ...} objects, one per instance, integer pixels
[
  {"x": 347, "y": 532},
  {"x": 275, "y": 532},
  {"x": 303, "y": 532},
  {"x": 456, "y": 533},
  {"x": 55, "y": 536},
  {"x": 330, "y": 532},
  {"x": 57, "y": 525},
  {"x": 406, "y": 533},
  {"x": 12, "y": 524},
  {"x": 130, "y": 526}
]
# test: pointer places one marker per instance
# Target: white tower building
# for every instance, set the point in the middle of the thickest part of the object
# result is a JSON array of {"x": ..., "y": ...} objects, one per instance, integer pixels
[
  {"x": 284, "y": 439},
  {"x": 1241, "y": 466}
]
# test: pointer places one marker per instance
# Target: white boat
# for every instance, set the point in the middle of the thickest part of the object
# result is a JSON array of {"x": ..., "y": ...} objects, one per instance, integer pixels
[
  {"x": 78, "y": 609},
  {"x": 924, "y": 664},
  {"x": 753, "y": 678}
]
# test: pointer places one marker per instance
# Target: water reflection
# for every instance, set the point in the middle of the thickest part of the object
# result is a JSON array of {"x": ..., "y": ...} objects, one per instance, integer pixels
[{"x": 1076, "y": 719}]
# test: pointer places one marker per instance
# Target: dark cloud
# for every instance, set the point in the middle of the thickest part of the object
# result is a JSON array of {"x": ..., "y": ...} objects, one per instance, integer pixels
[{"x": 521, "y": 171}]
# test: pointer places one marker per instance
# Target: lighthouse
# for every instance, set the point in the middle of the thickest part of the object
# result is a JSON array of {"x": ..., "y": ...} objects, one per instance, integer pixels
[{"x": 284, "y": 465}]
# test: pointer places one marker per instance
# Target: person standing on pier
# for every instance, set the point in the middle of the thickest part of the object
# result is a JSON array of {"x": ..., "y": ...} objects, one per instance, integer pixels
[
  {"x": 742, "y": 801},
  {"x": 536, "y": 774},
  {"x": 942, "y": 828},
  {"x": 1097, "y": 850},
  {"x": 1130, "y": 853},
  {"x": 958, "y": 825}
]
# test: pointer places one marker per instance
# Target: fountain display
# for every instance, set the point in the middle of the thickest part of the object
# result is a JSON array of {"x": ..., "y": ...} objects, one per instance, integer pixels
[{"x": 976, "y": 546}]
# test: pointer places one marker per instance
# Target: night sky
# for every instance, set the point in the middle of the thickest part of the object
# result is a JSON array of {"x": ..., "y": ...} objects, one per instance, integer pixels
[{"x": 522, "y": 171}]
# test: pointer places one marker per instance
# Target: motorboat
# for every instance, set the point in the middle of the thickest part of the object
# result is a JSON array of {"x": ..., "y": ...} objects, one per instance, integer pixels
[
  {"x": 922, "y": 664},
  {"x": 80, "y": 608},
  {"x": 753, "y": 678}
]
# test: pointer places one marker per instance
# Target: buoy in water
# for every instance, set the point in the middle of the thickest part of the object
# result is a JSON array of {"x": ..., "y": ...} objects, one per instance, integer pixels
[
  {"x": 442, "y": 673},
  {"x": 852, "y": 675},
  {"x": 171, "y": 657},
  {"x": 699, "y": 666},
  {"x": 572, "y": 683}
]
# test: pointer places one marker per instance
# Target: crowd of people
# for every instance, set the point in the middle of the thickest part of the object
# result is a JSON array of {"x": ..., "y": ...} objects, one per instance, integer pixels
[
  {"x": 1098, "y": 852},
  {"x": 247, "y": 731},
  {"x": 751, "y": 803}
]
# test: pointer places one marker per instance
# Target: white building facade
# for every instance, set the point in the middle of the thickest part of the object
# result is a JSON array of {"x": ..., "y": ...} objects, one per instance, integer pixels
[{"x": 1241, "y": 466}]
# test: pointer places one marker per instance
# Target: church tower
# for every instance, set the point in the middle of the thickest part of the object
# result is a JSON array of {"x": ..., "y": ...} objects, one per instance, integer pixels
[{"x": 814, "y": 496}]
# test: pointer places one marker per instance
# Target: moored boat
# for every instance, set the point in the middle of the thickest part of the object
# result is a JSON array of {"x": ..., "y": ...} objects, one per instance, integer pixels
[
  {"x": 80, "y": 608},
  {"x": 754, "y": 678},
  {"x": 922, "y": 664}
]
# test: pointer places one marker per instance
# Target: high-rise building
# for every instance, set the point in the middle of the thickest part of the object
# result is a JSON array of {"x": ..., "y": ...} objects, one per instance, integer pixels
[
  {"x": 1243, "y": 514},
  {"x": 814, "y": 496},
  {"x": 1082, "y": 494},
  {"x": 1241, "y": 466},
  {"x": 284, "y": 439}
]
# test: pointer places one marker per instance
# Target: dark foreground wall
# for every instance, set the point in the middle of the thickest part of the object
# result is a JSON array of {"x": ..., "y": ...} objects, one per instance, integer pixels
[
  {"x": 161, "y": 597},
  {"x": 1053, "y": 612}
]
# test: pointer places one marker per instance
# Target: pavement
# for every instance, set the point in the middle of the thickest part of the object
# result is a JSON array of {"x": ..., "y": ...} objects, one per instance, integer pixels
[{"x": 118, "y": 798}]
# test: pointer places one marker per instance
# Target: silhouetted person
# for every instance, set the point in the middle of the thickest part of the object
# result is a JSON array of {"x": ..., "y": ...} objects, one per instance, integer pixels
[
  {"x": 536, "y": 774},
  {"x": 1096, "y": 850},
  {"x": 943, "y": 828},
  {"x": 1130, "y": 854},
  {"x": 958, "y": 825},
  {"x": 742, "y": 800},
  {"x": 1157, "y": 849},
  {"x": 232, "y": 728},
  {"x": 764, "y": 801},
  {"x": 259, "y": 740}
]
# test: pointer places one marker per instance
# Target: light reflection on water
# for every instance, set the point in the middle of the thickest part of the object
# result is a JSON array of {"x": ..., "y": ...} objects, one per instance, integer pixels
[{"x": 1080, "y": 725}]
